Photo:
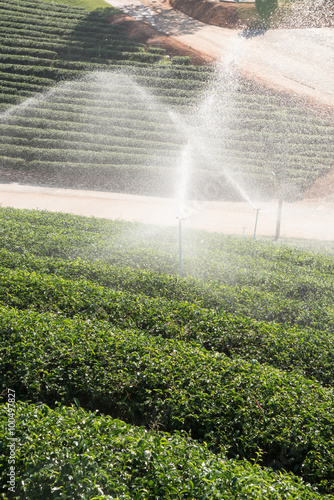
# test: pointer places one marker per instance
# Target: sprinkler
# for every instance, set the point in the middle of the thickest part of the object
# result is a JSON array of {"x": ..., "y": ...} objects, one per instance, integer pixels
[
  {"x": 180, "y": 219},
  {"x": 256, "y": 217},
  {"x": 282, "y": 180}
]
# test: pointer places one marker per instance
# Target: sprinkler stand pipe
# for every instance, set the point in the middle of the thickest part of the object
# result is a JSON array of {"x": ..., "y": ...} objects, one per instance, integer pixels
[
  {"x": 180, "y": 219},
  {"x": 256, "y": 217}
]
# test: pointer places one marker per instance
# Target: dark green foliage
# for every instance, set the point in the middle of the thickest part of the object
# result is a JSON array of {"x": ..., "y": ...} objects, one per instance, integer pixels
[
  {"x": 238, "y": 354},
  {"x": 39, "y": 71},
  {"x": 161, "y": 352},
  {"x": 241, "y": 407},
  {"x": 156, "y": 50},
  {"x": 261, "y": 280},
  {"x": 68, "y": 43},
  {"x": 81, "y": 455},
  {"x": 69, "y": 33},
  {"x": 181, "y": 60}
]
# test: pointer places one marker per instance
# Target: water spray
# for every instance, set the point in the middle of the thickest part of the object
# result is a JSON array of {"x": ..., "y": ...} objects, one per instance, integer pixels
[
  {"x": 180, "y": 219},
  {"x": 282, "y": 181}
]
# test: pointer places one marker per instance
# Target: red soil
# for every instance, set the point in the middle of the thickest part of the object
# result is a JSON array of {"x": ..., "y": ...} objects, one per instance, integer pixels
[
  {"x": 223, "y": 14},
  {"x": 143, "y": 32}
]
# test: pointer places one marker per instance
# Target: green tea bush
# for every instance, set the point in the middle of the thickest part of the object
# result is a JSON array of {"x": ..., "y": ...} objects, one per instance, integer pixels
[
  {"x": 55, "y": 8},
  {"x": 156, "y": 50},
  {"x": 69, "y": 43},
  {"x": 72, "y": 155},
  {"x": 48, "y": 125},
  {"x": 38, "y": 61},
  {"x": 39, "y": 20},
  {"x": 261, "y": 280},
  {"x": 55, "y": 74},
  {"x": 7, "y": 162},
  {"x": 31, "y": 52},
  {"x": 32, "y": 29},
  {"x": 181, "y": 60},
  {"x": 11, "y": 98},
  {"x": 21, "y": 86},
  {"x": 94, "y": 332},
  {"x": 243, "y": 408},
  {"x": 43, "y": 82},
  {"x": 168, "y": 313},
  {"x": 169, "y": 81}
]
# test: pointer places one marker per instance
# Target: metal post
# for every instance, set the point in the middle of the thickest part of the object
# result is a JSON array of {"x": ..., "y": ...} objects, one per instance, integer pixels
[
  {"x": 180, "y": 246},
  {"x": 256, "y": 217}
]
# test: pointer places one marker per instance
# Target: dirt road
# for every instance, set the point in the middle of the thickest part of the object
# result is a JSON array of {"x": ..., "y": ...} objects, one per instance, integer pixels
[
  {"x": 296, "y": 60},
  {"x": 299, "y": 61},
  {"x": 309, "y": 219}
]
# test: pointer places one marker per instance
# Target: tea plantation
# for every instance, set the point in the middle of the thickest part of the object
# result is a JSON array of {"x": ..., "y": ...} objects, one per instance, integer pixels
[
  {"x": 130, "y": 382},
  {"x": 83, "y": 106},
  {"x": 120, "y": 380}
]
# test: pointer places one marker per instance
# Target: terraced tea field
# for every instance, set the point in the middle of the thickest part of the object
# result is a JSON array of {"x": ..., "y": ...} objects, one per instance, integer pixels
[
  {"x": 83, "y": 106},
  {"x": 223, "y": 377},
  {"x": 119, "y": 379}
]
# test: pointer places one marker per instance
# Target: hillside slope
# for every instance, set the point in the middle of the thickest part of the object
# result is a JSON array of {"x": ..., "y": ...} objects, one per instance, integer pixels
[{"x": 298, "y": 61}]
